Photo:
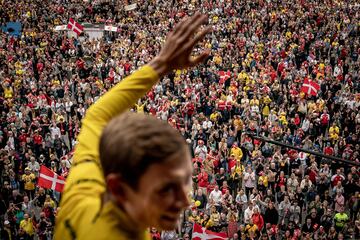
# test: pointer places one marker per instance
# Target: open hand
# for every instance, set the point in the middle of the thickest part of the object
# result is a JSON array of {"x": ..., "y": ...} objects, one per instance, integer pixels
[{"x": 176, "y": 51}]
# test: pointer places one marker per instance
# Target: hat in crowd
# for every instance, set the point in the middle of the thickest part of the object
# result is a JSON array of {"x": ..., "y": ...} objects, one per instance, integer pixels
[{"x": 6, "y": 222}]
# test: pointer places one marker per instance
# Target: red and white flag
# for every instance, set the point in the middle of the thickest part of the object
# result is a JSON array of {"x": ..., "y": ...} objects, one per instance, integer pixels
[
  {"x": 310, "y": 87},
  {"x": 50, "y": 180},
  {"x": 75, "y": 26},
  {"x": 200, "y": 233},
  {"x": 224, "y": 76}
]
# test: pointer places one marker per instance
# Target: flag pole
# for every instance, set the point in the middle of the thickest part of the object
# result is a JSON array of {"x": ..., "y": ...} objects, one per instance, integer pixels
[{"x": 319, "y": 154}]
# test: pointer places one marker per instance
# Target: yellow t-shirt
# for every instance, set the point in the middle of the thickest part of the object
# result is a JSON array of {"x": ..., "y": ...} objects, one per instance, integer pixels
[
  {"x": 28, "y": 181},
  {"x": 140, "y": 108},
  {"x": 239, "y": 124},
  {"x": 237, "y": 152},
  {"x": 252, "y": 228},
  {"x": 264, "y": 179},
  {"x": 27, "y": 225},
  {"x": 214, "y": 116},
  {"x": 8, "y": 92},
  {"x": 81, "y": 215}
]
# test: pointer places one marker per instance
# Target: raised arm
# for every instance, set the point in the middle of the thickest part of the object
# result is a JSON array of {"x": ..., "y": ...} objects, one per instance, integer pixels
[
  {"x": 175, "y": 54},
  {"x": 85, "y": 183}
]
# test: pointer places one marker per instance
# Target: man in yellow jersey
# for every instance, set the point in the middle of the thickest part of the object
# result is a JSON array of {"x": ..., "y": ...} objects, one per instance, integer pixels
[{"x": 130, "y": 171}]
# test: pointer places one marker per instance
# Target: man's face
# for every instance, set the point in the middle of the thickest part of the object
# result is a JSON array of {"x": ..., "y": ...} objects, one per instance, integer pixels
[{"x": 162, "y": 193}]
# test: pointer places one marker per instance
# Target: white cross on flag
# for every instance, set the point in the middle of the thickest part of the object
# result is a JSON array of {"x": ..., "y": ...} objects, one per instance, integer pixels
[
  {"x": 200, "y": 233},
  {"x": 224, "y": 76},
  {"x": 50, "y": 180},
  {"x": 75, "y": 26},
  {"x": 310, "y": 87}
]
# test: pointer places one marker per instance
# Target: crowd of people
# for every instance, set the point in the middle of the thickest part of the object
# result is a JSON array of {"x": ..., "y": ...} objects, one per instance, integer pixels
[{"x": 261, "y": 53}]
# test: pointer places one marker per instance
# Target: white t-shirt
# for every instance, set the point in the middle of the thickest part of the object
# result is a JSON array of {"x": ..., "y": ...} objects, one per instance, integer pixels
[{"x": 216, "y": 196}]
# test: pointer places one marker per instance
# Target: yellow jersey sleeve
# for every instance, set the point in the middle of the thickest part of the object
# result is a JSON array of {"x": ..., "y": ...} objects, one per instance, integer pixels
[{"x": 81, "y": 199}]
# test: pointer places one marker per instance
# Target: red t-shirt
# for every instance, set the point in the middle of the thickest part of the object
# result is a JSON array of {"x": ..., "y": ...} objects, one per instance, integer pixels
[{"x": 37, "y": 139}]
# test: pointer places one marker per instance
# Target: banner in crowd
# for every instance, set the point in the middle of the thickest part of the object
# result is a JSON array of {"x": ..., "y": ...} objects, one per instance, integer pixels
[
  {"x": 200, "y": 233},
  {"x": 110, "y": 28},
  {"x": 75, "y": 26},
  {"x": 12, "y": 28},
  {"x": 60, "y": 28},
  {"x": 50, "y": 180},
  {"x": 131, "y": 7}
]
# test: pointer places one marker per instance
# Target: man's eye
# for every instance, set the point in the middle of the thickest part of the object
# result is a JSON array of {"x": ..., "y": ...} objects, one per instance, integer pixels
[{"x": 167, "y": 189}]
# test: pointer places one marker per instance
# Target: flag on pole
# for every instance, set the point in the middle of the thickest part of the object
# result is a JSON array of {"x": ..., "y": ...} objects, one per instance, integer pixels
[
  {"x": 224, "y": 76},
  {"x": 200, "y": 233},
  {"x": 310, "y": 87},
  {"x": 75, "y": 26},
  {"x": 50, "y": 180}
]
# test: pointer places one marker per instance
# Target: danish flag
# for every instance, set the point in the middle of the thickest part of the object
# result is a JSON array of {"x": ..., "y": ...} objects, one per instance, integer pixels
[
  {"x": 50, "y": 180},
  {"x": 224, "y": 76},
  {"x": 310, "y": 87},
  {"x": 75, "y": 26},
  {"x": 200, "y": 233},
  {"x": 302, "y": 155}
]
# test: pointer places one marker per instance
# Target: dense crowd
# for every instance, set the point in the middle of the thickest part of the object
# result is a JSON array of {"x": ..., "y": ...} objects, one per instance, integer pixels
[{"x": 246, "y": 188}]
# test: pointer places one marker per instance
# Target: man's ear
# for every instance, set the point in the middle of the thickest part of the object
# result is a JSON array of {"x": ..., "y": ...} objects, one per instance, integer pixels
[{"x": 117, "y": 187}]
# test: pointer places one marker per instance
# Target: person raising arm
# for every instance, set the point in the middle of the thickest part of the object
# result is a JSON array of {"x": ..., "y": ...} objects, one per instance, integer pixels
[{"x": 131, "y": 171}]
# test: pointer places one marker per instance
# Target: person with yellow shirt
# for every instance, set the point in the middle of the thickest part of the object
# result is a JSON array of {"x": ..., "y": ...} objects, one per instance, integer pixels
[
  {"x": 266, "y": 108},
  {"x": 217, "y": 59},
  {"x": 236, "y": 151},
  {"x": 264, "y": 179},
  {"x": 194, "y": 217},
  {"x": 208, "y": 45},
  {"x": 215, "y": 19},
  {"x": 288, "y": 35},
  {"x": 8, "y": 91},
  {"x": 51, "y": 203},
  {"x": 251, "y": 228},
  {"x": 140, "y": 107},
  {"x": 28, "y": 178},
  {"x": 334, "y": 132},
  {"x": 311, "y": 106},
  {"x": 214, "y": 218},
  {"x": 214, "y": 117},
  {"x": 238, "y": 123},
  {"x": 140, "y": 166},
  {"x": 282, "y": 118},
  {"x": 254, "y": 101},
  {"x": 27, "y": 226},
  {"x": 243, "y": 77}
]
